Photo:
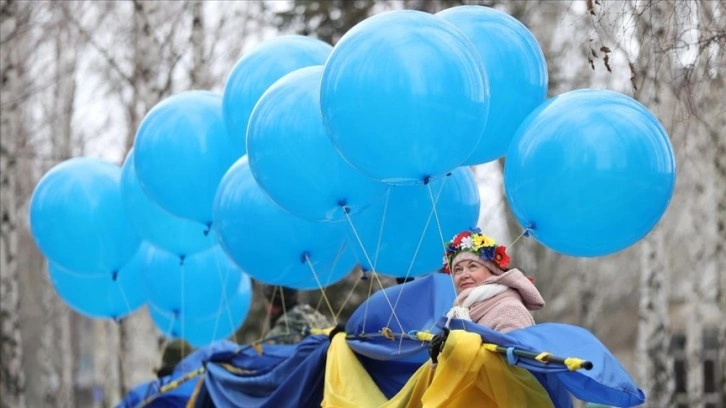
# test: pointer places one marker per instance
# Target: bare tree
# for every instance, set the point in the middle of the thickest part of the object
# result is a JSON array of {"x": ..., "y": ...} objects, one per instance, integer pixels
[
  {"x": 15, "y": 22},
  {"x": 655, "y": 375}
]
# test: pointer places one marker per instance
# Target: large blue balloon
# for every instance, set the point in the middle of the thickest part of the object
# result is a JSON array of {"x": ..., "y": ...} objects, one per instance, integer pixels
[
  {"x": 590, "y": 172},
  {"x": 516, "y": 69},
  {"x": 293, "y": 159},
  {"x": 267, "y": 242},
  {"x": 405, "y": 96},
  {"x": 259, "y": 69},
  {"x": 331, "y": 274},
  {"x": 77, "y": 217},
  {"x": 105, "y": 294},
  {"x": 182, "y": 150},
  {"x": 193, "y": 286},
  {"x": 157, "y": 226},
  {"x": 400, "y": 232},
  {"x": 204, "y": 330}
]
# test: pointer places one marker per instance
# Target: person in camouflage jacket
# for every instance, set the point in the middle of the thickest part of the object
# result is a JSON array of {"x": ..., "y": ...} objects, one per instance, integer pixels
[{"x": 289, "y": 320}]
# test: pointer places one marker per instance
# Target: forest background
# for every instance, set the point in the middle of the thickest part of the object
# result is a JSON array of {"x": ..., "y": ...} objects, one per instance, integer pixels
[{"x": 77, "y": 77}]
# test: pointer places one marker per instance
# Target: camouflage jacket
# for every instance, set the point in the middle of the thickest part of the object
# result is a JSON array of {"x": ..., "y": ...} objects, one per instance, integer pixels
[{"x": 290, "y": 328}]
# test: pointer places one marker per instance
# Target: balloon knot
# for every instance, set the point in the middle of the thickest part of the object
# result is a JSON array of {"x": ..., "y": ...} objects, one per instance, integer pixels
[
  {"x": 181, "y": 259},
  {"x": 304, "y": 257},
  {"x": 114, "y": 275},
  {"x": 209, "y": 227},
  {"x": 426, "y": 179},
  {"x": 344, "y": 205}
]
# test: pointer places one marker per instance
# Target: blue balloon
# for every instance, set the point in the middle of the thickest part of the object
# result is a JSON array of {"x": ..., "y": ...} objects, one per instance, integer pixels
[
  {"x": 399, "y": 234},
  {"x": 405, "y": 96},
  {"x": 516, "y": 69},
  {"x": 181, "y": 151},
  {"x": 204, "y": 330},
  {"x": 157, "y": 226},
  {"x": 267, "y": 242},
  {"x": 590, "y": 172},
  {"x": 77, "y": 217},
  {"x": 105, "y": 294},
  {"x": 293, "y": 159},
  {"x": 331, "y": 274},
  {"x": 259, "y": 69},
  {"x": 190, "y": 287}
]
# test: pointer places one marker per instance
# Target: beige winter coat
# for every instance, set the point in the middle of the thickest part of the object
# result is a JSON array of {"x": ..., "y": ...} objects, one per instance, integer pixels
[{"x": 507, "y": 310}]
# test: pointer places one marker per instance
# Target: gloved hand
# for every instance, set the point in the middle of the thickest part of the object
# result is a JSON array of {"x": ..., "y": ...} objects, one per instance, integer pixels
[{"x": 437, "y": 344}]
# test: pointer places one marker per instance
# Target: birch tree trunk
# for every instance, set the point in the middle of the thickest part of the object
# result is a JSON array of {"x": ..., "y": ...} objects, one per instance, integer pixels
[
  {"x": 199, "y": 73},
  {"x": 654, "y": 360},
  {"x": 14, "y": 21},
  {"x": 56, "y": 353}
]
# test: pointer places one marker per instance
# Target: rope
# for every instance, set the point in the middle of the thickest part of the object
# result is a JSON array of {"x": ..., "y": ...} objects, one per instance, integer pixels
[
  {"x": 347, "y": 298},
  {"x": 320, "y": 286},
  {"x": 525, "y": 232},
  {"x": 441, "y": 233},
  {"x": 374, "y": 273}
]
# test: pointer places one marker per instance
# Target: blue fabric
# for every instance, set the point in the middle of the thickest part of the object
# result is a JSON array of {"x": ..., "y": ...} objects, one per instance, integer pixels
[
  {"x": 293, "y": 379},
  {"x": 418, "y": 304},
  {"x": 606, "y": 383},
  {"x": 178, "y": 396}
]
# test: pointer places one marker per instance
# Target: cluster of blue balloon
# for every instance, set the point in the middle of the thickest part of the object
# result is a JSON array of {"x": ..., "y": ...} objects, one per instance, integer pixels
[
  {"x": 316, "y": 158},
  {"x": 111, "y": 250}
]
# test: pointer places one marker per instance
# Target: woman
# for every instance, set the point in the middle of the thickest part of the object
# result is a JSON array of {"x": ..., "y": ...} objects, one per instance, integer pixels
[{"x": 489, "y": 294}]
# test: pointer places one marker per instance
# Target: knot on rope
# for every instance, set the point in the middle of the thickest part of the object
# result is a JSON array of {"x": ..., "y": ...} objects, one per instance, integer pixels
[{"x": 388, "y": 333}]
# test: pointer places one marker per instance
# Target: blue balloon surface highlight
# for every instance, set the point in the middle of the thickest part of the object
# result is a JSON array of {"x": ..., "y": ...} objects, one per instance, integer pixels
[
  {"x": 591, "y": 172},
  {"x": 267, "y": 242},
  {"x": 400, "y": 232},
  {"x": 77, "y": 217},
  {"x": 181, "y": 151},
  {"x": 515, "y": 66},
  {"x": 405, "y": 96},
  {"x": 159, "y": 227},
  {"x": 259, "y": 69},
  {"x": 201, "y": 331},
  {"x": 293, "y": 159},
  {"x": 191, "y": 287},
  {"x": 106, "y": 294}
]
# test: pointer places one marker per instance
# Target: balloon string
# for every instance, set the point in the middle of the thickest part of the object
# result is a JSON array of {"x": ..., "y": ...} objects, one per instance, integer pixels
[
  {"x": 373, "y": 272},
  {"x": 432, "y": 214},
  {"x": 320, "y": 286},
  {"x": 345, "y": 302},
  {"x": 441, "y": 232},
  {"x": 330, "y": 273},
  {"x": 182, "y": 307},
  {"x": 380, "y": 230},
  {"x": 526, "y": 230}
]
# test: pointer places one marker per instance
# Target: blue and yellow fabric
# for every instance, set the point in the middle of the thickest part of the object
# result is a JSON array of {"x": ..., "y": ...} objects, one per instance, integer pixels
[{"x": 382, "y": 361}]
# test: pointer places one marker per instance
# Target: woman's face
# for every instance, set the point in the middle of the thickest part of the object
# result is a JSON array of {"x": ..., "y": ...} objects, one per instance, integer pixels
[{"x": 468, "y": 274}]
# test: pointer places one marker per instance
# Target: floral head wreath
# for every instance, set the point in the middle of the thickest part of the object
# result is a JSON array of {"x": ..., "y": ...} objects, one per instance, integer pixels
[{"x": 475, "y": 242}]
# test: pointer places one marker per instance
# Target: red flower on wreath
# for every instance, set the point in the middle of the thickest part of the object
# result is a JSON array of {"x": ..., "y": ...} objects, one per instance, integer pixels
[{"x": 501, "y": 257}]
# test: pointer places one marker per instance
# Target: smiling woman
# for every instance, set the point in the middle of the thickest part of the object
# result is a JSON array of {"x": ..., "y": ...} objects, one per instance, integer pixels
[{"x": 489, "y": 293}]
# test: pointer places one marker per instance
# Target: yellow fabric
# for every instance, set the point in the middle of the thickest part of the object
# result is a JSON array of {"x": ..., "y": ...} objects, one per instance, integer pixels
[
  {"x": 468, "y": 375},
  {"x": 347, "y": 384}
]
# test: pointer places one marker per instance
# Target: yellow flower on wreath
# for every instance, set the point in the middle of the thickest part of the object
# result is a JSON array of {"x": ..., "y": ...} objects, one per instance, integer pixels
[{"x": 481, "y": 241}]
